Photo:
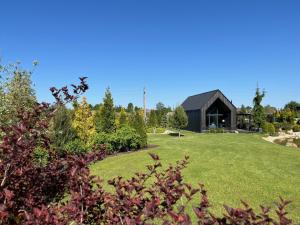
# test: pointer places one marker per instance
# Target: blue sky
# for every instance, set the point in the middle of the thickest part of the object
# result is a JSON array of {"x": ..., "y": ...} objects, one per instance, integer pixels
[{"x": 174, "y": 48}]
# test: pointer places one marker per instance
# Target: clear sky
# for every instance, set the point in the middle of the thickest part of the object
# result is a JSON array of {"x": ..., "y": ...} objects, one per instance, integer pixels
[{"x": 174, "y": 48}]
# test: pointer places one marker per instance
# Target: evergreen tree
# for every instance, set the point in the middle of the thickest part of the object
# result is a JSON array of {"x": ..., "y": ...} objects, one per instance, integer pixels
[
  {"x": 179, "y": 120},
  {"x": 62, "y": 131},
  {"x": 137, "y": 122},
  {"x": 83, "y": 121},
  {"x": 123, "y": 118},
  {"x": 259, "y": 116},
  {"x": 130, "y": 108},
  {"x": 106, "y": 118},
  {"x": 160, "y": 111},
  {"x": 164, "y": 120},
  {"x": 152, "y": 122}
]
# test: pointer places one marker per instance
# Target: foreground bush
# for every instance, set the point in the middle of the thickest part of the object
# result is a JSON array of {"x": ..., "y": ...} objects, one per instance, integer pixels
[{"x": 159, "y": 196}]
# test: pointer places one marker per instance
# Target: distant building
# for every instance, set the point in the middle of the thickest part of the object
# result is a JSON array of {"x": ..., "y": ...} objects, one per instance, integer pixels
[{"x": 210, "y": 110}]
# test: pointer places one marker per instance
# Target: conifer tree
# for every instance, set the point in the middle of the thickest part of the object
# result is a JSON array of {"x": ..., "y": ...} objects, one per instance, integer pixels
[
  {"x": 259, "y": 116},
  {"x": 164, "y": 120},
  {"x": 179, "y": 120},
  {"x": 130, "y": 108},
  {"x": 62, "y": 131},
  {"x": 105, "y": 119},
  {"x": 152, "y": 122},
  {"x": 83, "y": 121},
  {"x": 137, "y": 122},
  {"x": 123, "y": 118}
]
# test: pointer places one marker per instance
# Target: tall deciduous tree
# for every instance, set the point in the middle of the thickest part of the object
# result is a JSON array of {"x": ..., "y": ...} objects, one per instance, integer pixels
[
  {"x": 179, "y": 119},
  {"x": 83, "y": 121},
  {"x": 259, "y": 116},
  {"x": 62, "y": 131},
  {"x": 16, "y": 92},
  {"x": 105, "y": 120}
]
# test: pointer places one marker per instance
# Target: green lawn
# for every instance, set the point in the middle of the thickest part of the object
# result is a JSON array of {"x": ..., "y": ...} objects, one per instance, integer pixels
[{"x": 232, "y": 166}]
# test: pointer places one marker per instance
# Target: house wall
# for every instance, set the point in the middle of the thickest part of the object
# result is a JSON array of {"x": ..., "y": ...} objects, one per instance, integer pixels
[{"x": 194, "y": 120}]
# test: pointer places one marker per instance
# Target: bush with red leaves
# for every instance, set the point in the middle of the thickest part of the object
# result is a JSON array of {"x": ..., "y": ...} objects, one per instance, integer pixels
[
  {"x": 158, "y": 196},
  {"x": 25, "y": 185}
]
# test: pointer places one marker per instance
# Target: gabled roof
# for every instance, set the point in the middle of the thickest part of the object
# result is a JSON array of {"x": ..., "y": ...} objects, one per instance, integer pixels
[{"x": 198, "y": 101}]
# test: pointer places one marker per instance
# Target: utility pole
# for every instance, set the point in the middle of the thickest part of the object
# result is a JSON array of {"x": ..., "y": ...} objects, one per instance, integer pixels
[{"x": 145, "y": 113}]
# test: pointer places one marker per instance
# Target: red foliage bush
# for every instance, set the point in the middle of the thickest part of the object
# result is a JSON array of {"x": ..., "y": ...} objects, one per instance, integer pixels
[{"x": 158, "y": 196}]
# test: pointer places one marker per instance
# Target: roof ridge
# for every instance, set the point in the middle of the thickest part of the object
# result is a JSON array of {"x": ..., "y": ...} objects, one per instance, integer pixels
[{"x": 216, "y": 90}]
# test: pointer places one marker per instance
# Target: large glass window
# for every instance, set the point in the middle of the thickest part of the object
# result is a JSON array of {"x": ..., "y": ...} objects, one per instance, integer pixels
[{"x": 218, "y": 115}]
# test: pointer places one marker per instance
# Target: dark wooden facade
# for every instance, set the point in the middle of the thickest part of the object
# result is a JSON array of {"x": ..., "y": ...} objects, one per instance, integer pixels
[{"x": 210, "y": 110}]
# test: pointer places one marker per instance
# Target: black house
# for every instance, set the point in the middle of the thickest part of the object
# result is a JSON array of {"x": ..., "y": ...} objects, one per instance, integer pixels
[{"x": 210, "y": 110}]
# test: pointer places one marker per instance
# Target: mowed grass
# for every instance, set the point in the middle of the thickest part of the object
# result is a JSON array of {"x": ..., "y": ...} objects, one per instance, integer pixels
[{"x": 233, "y": 167}]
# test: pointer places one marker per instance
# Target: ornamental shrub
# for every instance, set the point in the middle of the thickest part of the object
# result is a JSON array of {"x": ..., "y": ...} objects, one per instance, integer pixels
[
  {"x": 286, "y": 126},
  {"x": 126, "y": 139},
  {"x": 296, "y": 128},
  {"x": 41, "y": 156},
  {"x": 297, "y": 142},
  {"x": 269, "y": 128},
  {"x": 101, "y": 138},
  {"x": 76, "y": 147}
]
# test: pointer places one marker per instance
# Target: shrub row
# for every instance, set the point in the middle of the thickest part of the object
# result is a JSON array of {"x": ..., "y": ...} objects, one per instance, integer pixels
[{"x": 123, "y": 140}]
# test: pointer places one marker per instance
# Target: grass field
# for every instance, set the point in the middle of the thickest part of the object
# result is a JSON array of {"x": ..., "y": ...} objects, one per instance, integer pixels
[{"x": 232, "y": 167}]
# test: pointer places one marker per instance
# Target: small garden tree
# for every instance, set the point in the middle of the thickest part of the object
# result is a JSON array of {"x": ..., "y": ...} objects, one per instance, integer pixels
[
  {"x": 152, "y": 122},
  {"x": 179, "y": 119},
  {"x": 62, "y": 131},
  {"x": 107, "y": 116},
  {"x": 83, "y": 121},
  {"x": 137, "y": 122},
  {"x": 123, "y": 118},
  {"x": 259, "y": 116}
]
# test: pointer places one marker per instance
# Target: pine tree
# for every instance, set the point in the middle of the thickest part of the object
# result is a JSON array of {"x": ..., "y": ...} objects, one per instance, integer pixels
[
  {"x": 83, "y": 121},
  {"x": 130, "y": 108},
  {"x": 152, "y": 122},
  {"x": 164, "y": 120},
  {"x": 62, "y": 131},
  {"x": 123, "y": 118},
  {"x": 105, "y": 119},
  {"x": 179, "y": 120},
  {"x": 259, "y": 116},
  {"x": 137, "y": 122}
]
